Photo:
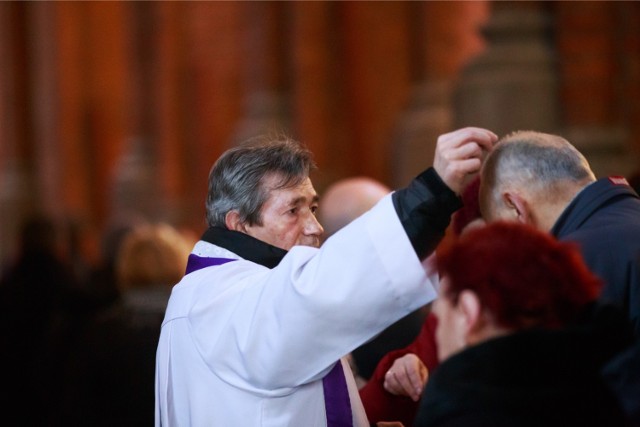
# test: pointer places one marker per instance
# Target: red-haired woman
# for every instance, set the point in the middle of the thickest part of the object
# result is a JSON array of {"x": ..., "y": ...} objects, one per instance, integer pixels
[{"x": 519, "y": 339}]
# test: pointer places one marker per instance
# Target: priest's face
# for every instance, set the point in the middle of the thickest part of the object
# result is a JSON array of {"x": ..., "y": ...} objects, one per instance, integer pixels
[{"x": 289, "y": 216}]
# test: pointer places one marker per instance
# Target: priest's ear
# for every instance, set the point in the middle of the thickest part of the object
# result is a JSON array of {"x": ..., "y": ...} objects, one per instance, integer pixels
[{"x": 233, "y": 222}]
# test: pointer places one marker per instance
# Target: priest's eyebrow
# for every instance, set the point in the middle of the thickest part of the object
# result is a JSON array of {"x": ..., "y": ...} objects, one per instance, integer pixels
[{"x": 302, "y": 199}]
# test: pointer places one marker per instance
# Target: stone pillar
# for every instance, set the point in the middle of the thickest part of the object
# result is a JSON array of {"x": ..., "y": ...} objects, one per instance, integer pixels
[
  {"x": 316, "y": 75},
  {"x": 266, "y": 100},
  {"x": 211, "y": 90},
  {"x": 377, "y": 76},
  {"x": 427, "y": 115},
  {"x": 629, "y": 43},
  {"x": 43, "y": 114},
  {"x": 592, "y": 84},
  {"x": 311, "y": 77},
  {"x": 111, "y": 118},
  {"x": 16, "y": 185},
  {"x": 70, "y": 128},
  {"x": 134, "y": 191},
  {"x": 513, "y": 84},
  {"x": 157, "y": 190},
  {"x": 443, "y": 38},
  {"x": 168, "y": 120}
]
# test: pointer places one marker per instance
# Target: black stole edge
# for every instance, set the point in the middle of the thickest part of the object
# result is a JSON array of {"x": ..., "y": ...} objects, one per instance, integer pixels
[{"x": 245, "y": 246}]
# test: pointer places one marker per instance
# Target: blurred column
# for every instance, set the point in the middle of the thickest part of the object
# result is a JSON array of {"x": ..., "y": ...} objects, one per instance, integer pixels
[
  {"x": 377, "y": 77},
  {"x": 16, "y": 187},
  {"x": 266, "y": 108},
  {"x": 135, "y": 190},
  {"x": 109, "y": 111},
  {"x": 629, "y": 17},
  {"x": 629, "y": 95},
  {"x": 168, "y": 121},
  {"x": 444, "y": 36},
  {"x": 65, "y": 127},
  {"x": 592, "y": 83},
  {"x": 211, "y": 88},
  {"x": 43, "y": 111},
  {"x": 513, "y": 84},
  {"x": 317, "y": 94}
]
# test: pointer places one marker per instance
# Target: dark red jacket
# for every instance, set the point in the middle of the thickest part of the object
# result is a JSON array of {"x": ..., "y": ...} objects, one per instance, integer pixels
[{"x": 381, "y": 405}]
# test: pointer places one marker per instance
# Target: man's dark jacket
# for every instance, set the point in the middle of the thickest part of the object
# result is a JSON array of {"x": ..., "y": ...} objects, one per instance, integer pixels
[{"x": 604, "y": 220}]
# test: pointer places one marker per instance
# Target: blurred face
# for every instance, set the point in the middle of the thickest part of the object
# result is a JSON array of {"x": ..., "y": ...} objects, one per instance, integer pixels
[
  {"x": 289, "y": 217},
  {"x": 451, "y": 330},
  {"x": 476, "y": 223}
]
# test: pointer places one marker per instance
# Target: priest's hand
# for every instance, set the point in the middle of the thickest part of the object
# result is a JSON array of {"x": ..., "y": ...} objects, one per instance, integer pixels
[
  {"x": 406, "y": 377},
  {"x": 459, "y": 155}
]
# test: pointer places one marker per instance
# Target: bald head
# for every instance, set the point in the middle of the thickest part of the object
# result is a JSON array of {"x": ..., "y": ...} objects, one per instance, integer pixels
[
  {"x": 544, "y": 171},
  {"x": 347, "y": 199}
]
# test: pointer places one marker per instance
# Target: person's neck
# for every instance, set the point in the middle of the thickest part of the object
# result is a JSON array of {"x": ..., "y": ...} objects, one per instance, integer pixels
[
  {"x": 550, "y": 209},
  {"x": 487, "y": 332},
  {"x": 548, "y": 215}
]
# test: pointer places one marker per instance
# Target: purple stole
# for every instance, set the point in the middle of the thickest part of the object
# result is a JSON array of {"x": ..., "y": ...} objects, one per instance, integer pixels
[
  {"x": 196, "y": 262},
  {"x": 334, "y": 384}
]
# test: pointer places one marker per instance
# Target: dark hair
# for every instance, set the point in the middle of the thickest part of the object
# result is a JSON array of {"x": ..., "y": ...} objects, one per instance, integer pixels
[
  {"x": 236, "y": 180},
  {"x": 522, "y": 276}
]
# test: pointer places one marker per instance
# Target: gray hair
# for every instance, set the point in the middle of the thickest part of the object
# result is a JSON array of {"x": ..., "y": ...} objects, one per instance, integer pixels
[
  {"x": 538, "y": 161},
  {"x": 236, "y": 180}
]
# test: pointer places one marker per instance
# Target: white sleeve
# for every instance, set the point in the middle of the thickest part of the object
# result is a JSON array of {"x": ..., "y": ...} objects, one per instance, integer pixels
[{"x": 287, "y": 326}]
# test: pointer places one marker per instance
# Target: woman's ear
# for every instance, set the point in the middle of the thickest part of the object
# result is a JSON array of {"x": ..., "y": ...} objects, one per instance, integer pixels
[
  {"x": 471, "y": 309},
  {"x": 233, "y": 222},
  {"x": 479, "y": 323}
]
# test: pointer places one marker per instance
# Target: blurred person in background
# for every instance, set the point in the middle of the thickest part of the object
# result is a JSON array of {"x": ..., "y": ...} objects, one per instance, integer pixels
[
  {"x": 36, "y": 293},
  {"x": 111, "y": 373}
]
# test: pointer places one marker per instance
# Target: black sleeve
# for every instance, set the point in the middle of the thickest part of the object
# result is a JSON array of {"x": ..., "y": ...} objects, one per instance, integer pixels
[{"x": 425, "y": 208}]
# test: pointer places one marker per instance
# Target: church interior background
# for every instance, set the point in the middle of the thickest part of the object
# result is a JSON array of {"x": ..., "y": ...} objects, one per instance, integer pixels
[{"x": 112, "y": 112}]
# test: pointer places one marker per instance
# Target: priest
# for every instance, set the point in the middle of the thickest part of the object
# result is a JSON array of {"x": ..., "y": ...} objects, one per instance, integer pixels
[{"x": 255, "y": 332}]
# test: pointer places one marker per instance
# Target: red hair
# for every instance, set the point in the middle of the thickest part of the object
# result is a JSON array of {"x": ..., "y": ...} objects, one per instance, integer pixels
[{"x": 522, "y": 276}]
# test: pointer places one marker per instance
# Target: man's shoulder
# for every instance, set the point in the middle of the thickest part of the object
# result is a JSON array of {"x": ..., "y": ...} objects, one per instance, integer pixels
[{"x": 604, "y": 208}]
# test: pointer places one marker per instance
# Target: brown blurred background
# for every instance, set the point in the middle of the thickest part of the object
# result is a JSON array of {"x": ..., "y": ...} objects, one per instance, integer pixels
[{"x": 113, "y": 112}]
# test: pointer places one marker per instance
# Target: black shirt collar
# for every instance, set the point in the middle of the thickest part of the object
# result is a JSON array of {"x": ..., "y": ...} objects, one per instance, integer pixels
[{"x": 245, "y": 246}]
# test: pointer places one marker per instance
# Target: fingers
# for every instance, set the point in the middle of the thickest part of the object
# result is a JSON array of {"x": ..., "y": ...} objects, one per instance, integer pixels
[
  {"x": 392, "y": 384},
  {"x": 460, "y": 154},
  {"x": 406, "y": 377},
  {"x": 484, "y": 137},
  {"x": 414, "y": 380},
  {"x": 467, "y": 151}
]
